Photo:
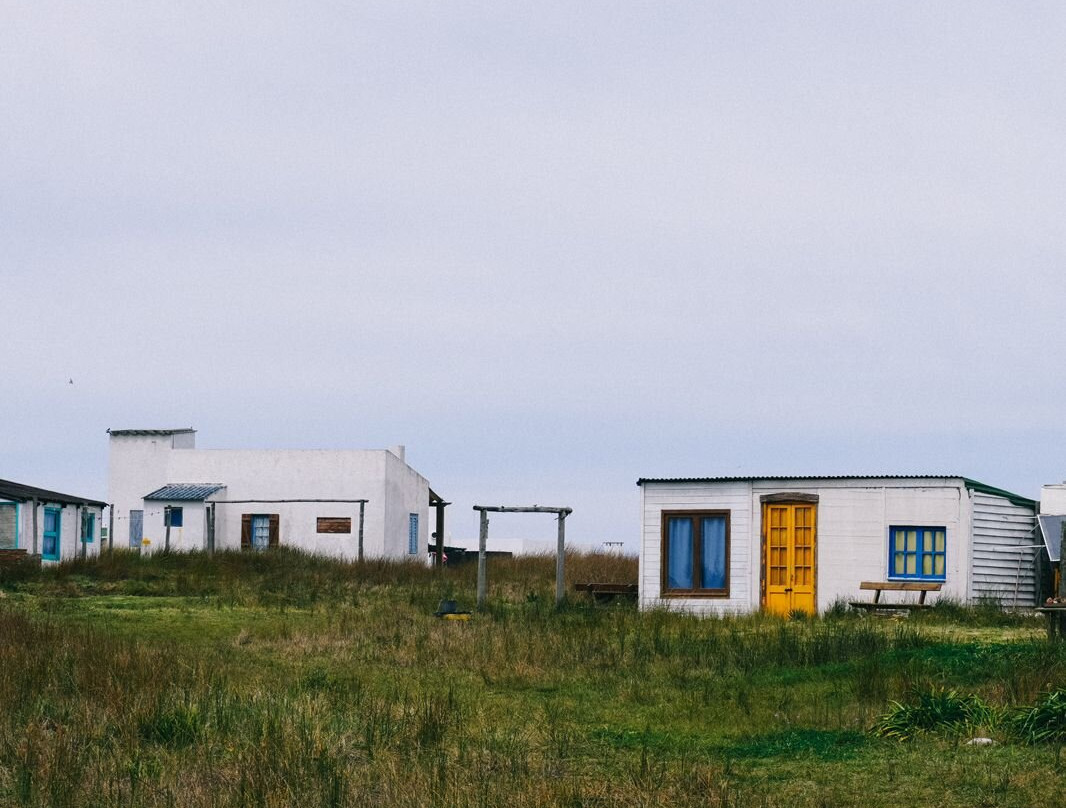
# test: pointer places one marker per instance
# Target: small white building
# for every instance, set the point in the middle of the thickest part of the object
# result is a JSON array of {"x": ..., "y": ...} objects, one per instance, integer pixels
[
  {"x": 165, "y": 491},
  {"x": 784, "y": 544},
  {"x": 55, "y": 526}
]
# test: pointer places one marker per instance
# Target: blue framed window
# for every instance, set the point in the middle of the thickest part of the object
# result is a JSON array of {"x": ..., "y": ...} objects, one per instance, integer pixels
[
  {"x": 50, "y": 545},
  {"x": 177, "y": 517},
  {"x": 412, "y": 533},
  {"x": 916, "y": 552},
  {"x": 88, "y": 527},
  {"x": 695, "y": 553}
]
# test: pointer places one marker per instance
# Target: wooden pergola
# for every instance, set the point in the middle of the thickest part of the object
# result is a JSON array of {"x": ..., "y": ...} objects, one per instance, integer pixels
[{"x": 483, "y": 537}]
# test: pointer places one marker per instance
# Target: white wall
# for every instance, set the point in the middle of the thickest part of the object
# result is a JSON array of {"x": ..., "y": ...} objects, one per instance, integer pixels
[
  {"x": 734, "y": 497},
  {"x": 1053, "y": 499},
  {"x": 137, "y": 465},
  {"x": 191, "y": 535},
  {"x": 393, "y": 490},
  {"x": 853, "y": 521},
  {"x": 69, "y": 529}
]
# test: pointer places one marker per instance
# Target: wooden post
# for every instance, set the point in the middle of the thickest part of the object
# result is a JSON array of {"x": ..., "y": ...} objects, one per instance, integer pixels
[
  {"x": 35, "y": 545},
  {"x": 210, "y": 508},
  {"x": 111, "y": 527},
  {"x": 440, "y": 535},
  {"x": 483, "y": 538},
  {"x": 79, "y": 533},
  {"x": 1062, "y": 563},
  {"x": 560, "y": 557},
  {"x": 166, "y": 534},
  {"x": 362, "y": 509}
]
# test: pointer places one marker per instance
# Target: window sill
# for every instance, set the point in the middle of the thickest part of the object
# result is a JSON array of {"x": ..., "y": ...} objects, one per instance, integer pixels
[{"x": 694, "y": 593}]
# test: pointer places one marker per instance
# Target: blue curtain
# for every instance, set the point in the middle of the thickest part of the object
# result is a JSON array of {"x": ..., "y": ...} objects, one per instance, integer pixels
[
  {"x": 679, "y": 553},
  {"x": 712, "y": 552}
]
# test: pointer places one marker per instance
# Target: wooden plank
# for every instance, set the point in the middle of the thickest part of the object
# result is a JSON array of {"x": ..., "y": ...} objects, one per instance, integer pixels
[
  {"x": 862, "y": 604},
  {"x": 901, "y": 586},
  {"x": 613, "y": 589},
  {"x": 334, "y": 524}
]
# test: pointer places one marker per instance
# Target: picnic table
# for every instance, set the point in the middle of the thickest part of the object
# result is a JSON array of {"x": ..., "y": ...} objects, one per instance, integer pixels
[{"x": 1055, "y": 613}]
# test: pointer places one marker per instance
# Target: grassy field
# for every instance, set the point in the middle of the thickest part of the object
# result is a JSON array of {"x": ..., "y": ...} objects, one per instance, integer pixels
[{"x": 276, "y": 679}]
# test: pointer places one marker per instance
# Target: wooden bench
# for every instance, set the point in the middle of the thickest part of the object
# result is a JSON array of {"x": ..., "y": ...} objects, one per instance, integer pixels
[
  {"x": 602, "y": 593},
  {"x": 895, "y": 586}
]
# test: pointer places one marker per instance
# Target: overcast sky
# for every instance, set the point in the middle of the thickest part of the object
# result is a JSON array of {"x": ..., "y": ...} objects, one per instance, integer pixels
[{"x": 551, "y": 247}]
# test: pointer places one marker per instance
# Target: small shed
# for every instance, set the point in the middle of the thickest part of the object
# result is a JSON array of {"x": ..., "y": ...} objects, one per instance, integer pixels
[
  {"x": 800, "y": 544},
  {"x": 50, "y": 524}
]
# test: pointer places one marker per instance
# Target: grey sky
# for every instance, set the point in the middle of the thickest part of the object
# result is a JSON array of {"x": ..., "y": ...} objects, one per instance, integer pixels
[{"x": 551, "y": 247}]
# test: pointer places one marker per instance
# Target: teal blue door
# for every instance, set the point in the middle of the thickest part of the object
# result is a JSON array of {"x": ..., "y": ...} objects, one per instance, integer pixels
[
  {"x": 88, "y": 527},
  {"x": 50, "y": 536}
]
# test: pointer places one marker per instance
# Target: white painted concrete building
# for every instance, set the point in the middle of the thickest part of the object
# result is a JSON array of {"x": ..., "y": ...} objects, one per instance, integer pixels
[
  {"x": 740, "y": 544},
  {"x": 55, "y": 526},
  {"x": 314, "y": 500}
]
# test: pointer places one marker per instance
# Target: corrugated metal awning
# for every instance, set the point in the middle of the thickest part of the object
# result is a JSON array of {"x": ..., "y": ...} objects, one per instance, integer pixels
[
  {"x": 184, "y": 492},
  {"x": 1051, "y": 528}
]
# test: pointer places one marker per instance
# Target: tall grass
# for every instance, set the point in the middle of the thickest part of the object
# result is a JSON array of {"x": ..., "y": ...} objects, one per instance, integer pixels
[{"x": 282, "y": 679}]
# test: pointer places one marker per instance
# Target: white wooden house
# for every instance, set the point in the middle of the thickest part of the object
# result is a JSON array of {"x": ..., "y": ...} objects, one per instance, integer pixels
[
  {"x": 165, "y": 491},
  {"x": 55, "y": 526},
  {"x": 783, "y": 544}
]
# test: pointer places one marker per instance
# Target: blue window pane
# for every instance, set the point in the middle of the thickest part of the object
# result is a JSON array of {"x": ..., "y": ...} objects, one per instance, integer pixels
[
  {"x": 679, "y": 553},
  {"x": 712, "y": 552},
  {"x": 260, "y": 532},
  {"x": 177, "y": 517},
  {"x": 412, "y": 533},
  {"x": 917, "y": 552}
]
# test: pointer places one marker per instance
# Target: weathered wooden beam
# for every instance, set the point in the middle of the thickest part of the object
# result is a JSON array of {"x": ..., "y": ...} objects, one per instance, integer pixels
[
  {"x": 362, "y": 514},
  {"x": 483, "y": 539},
  {"x": 560, "y": 557},
  {"x": 530, "y": 509},
  {"x": 274, "y": 501}
]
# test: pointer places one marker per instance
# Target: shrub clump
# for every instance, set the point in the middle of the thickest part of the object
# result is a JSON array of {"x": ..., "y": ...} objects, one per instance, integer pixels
[
  {"x": 934, "y": 710},
  {"x": 1045, "y": 721}
]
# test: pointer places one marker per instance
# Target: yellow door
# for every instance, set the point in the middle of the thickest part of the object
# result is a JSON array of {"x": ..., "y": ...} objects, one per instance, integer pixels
[{"x": 789, "y": 535}]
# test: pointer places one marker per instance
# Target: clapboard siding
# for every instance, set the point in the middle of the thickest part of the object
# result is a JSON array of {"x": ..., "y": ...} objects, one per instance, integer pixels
[
  {"x": 1004, "y": 565},
  {"x": 733, "y": 498},
  {"x": 853, "y": 521}
]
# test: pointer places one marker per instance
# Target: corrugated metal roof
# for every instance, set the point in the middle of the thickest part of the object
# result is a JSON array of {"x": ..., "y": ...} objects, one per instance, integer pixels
[
  {"x": 184, "y": 492},
  {"x": 753, "y": 478},
  {"x": 973, "y": 485},
  {"x": 142, "y": 432},
  {"x": 25, "y": 493}
]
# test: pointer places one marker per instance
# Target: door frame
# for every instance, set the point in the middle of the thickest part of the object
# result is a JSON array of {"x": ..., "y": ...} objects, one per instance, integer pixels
[
  {"x": 57, "y": 513},
  {"x": 785, "y": 498}
]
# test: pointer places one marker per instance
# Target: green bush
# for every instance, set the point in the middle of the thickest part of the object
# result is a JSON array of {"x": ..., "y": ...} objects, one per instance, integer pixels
[
  {"x": 1045, "y": 721},
  {"x": 934, "y": 710}
]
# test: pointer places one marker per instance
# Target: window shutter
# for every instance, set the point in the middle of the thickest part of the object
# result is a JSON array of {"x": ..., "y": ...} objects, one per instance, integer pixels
[
  {"x": 273, "y": 530},
  {"x": 246, "y": 531}
]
